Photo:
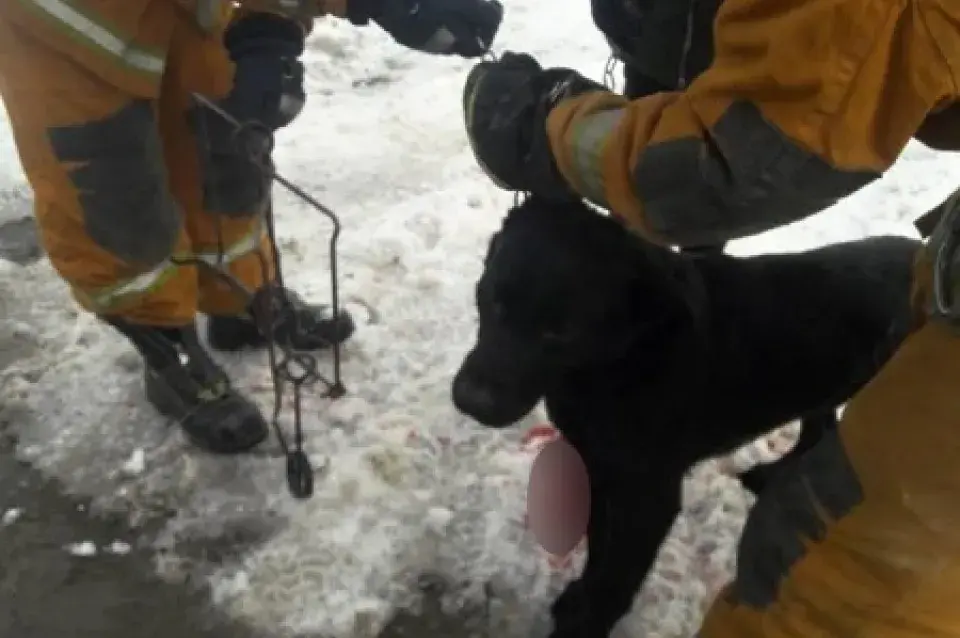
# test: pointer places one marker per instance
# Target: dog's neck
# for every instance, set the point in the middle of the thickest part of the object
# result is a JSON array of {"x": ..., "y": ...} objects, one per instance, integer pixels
[{"x": 679, "y": 338}]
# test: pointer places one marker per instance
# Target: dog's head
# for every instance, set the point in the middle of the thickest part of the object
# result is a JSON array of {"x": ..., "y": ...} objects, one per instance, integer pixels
[{"x": 563, "y": 288}]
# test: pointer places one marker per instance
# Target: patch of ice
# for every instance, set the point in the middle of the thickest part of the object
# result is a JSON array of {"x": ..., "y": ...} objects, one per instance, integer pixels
[
  {"x": 11, "y": 516},
  {"x": 82, "y": 549},
  {"x": 136, "y": 464},
  {"x": 118, "y": 548}
]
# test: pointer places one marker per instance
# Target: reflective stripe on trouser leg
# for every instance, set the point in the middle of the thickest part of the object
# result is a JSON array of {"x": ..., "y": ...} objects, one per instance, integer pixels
[
  {"x": 251, "y": 263},
  {"x": 890, "y": 566},
  {"x": 92, "y": 156},
  {"x": 236, "y": 259}
]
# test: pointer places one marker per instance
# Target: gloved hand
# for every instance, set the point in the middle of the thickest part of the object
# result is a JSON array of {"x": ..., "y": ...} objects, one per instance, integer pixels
[
  {"x": 505, "y": 109},
  {"x": 445, "y": 27},
  {"x": 268, "y": 89},
  {"x": 268, "y": 81}
]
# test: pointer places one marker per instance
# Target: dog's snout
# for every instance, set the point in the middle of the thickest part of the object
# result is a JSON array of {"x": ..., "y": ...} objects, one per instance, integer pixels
[
  {"x": 473, "y": 398},
  {"x": 492, "y": 386}
]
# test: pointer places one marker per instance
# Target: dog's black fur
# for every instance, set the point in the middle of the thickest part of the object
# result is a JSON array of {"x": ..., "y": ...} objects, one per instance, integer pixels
[{"x": 651, "y": 361}]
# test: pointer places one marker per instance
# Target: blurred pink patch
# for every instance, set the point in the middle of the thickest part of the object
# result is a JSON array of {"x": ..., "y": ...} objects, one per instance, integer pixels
[{"x": 558, "y": 495}]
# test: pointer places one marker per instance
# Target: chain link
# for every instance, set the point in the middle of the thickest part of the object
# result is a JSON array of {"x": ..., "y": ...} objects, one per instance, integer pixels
[{"x": 609, "y": 73}]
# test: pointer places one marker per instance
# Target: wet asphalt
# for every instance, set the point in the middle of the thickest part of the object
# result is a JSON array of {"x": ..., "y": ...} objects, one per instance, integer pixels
[{"x": 47, "y": 590}]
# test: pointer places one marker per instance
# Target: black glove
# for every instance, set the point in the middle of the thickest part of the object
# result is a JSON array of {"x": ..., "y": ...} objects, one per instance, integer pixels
[
  {"x": 505, "y": 109},
  {"x": 268, "y": 81},
  {"x": 446, "y": 27},
  {"x": 267, "y": 89}
]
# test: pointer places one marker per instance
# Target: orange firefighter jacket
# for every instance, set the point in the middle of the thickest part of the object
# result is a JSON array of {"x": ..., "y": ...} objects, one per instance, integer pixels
[{"x": 806, "y": 102}]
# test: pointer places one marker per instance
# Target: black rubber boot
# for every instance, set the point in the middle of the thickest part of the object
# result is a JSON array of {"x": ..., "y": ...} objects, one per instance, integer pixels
[
  {"x": 182, "y": 382},
  {"x": 296, "y": 324}
]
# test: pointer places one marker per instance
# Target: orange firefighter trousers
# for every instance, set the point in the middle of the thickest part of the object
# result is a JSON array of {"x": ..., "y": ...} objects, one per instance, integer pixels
[
  {"x": 863, "y": 541},
  {"x": 117, "y": 180}
]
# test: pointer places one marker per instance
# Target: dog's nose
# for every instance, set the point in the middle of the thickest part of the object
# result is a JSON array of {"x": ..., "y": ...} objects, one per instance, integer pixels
[{"x": 473, "y": 399}]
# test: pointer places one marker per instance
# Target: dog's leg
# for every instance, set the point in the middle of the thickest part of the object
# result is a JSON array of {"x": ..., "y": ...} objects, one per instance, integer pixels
[
  {"x": 813, "y": 427},
  {"x": 630, "y": 515}
]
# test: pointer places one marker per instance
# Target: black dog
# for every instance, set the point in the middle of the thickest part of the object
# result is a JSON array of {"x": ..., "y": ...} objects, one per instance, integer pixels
[{"x": 651, "y": 361}]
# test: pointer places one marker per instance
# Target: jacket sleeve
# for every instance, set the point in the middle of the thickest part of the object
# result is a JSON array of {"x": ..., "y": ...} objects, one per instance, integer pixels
[{"x": 806, "y": 102}]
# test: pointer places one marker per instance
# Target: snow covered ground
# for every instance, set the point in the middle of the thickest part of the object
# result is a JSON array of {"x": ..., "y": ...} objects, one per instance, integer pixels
[{"x": 411, "y": 488}]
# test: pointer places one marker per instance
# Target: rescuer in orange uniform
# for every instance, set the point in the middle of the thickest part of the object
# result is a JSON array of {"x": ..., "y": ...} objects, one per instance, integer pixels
[
  {"x": 804, "y": 103},
  {"x": 133, "y": 180}
]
